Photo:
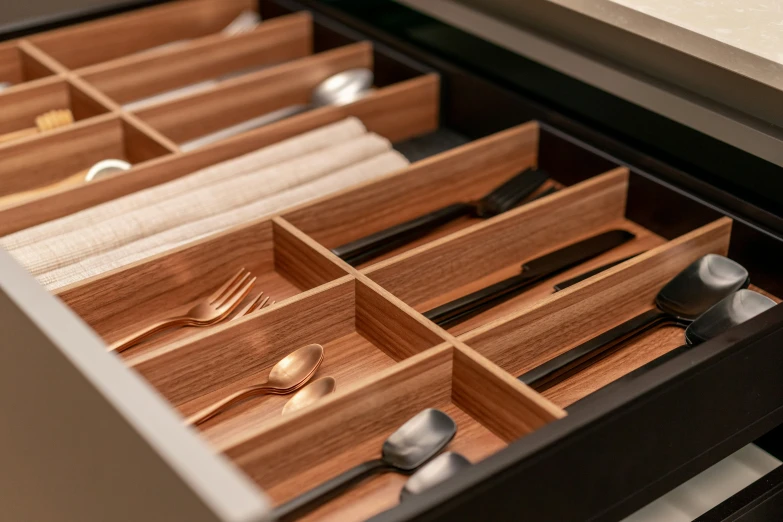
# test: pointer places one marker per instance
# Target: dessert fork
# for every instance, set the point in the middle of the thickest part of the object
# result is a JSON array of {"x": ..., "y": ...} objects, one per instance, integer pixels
[{"x": 206, "y": 312}]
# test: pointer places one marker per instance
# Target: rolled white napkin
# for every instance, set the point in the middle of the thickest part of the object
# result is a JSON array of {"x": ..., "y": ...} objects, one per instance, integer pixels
[
  {"x": 217, "y": 198},
  {"x": 285, "y": 150},
  {"x": 173, "y": 238}
]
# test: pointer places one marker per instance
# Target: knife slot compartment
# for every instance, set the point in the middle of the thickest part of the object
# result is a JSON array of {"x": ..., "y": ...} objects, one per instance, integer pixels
[
  {"x": 289, "y": 455},
  {"x": 145, "y": 30},
  {"x": 119, "y": 302},
  {"x": 21, "y": 107},
  {"x": 495, "y": 249},
  {"x": 148, "y": 79},
  {"x": 17, "y": 66},
  {"x": 51, "y": 157},
  {"x": 282, "y": 86},
  {"x": 527, "y": 338},
  {"x": 462, "y": 174}
]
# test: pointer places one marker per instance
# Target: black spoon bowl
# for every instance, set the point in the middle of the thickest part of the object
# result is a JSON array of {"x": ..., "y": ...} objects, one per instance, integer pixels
[
  {"x": 440, "y": 469},
  {"x": 689, "y": 294},
  {"x": 503, "y": 198},
  {"x": 407, "y": 449},
  {"x": 729, "y": 312}
]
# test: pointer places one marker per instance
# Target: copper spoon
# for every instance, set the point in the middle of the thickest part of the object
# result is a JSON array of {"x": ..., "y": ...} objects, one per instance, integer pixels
[
  {"x": 311, "y": 393},
  {"x": 287, "y": 376}
]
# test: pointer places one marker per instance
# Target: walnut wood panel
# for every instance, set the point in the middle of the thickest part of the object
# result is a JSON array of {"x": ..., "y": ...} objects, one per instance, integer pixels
[
  {"x": 17, "y": 66},
  {"x": 352, "y": 425},
  {"x": 117, "y": 36},
  {"x": 392, "y": 99},
  {"x": 424, "y": 273},
  {"x": 50, "y": 157},
  {"x": 543, "y": 330},
  {"x": 462, "y": 174},
  {"x": 299, "y": 260},
  {"x": 142, "y": 75},
  {"x": 19, "y": 107},
  {"x": 258, "y": 93}
]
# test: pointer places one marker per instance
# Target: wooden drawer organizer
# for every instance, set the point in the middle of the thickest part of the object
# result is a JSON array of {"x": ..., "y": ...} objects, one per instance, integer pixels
[{"x": 389, "y": 361}]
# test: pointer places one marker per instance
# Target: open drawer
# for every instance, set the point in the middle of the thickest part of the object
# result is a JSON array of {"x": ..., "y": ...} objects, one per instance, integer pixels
[{"x": 576, "y": 449}]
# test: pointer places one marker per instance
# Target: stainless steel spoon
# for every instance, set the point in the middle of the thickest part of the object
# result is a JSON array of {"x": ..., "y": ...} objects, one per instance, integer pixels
[
  {"x": 339, "y": 89},
  {"x": 688, "y": 295},
  {"x": 407, "y": 449},
  {"x": 440, "y": 469}
]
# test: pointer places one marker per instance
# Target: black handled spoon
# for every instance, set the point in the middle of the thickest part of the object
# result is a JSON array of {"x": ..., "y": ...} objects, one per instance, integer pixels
[
  {"x": 729, "y": 312},
  {"x": 503, "y": 198},
  {"x": 406, "y": 450},
  {"x": 440, "y": 469},
  {"x": 688, "y": 295}
]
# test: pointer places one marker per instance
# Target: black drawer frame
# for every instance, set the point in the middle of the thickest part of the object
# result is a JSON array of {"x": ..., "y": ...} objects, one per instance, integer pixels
[{"x": 613, "y": 453}]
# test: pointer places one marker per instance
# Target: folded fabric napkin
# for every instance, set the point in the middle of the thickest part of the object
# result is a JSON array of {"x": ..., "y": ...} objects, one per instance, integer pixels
[
  {"x": 366, "y": 170},
  {"x": 68, "y": 248},
  {"x": 291, "y": 148}
]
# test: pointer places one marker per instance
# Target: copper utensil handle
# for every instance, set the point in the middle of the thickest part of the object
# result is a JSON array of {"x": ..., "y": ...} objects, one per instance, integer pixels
[
  {"x": 220, "y": 406},
  {"x": 72, "y": 180},
  {"x": 138, "y": 336}
]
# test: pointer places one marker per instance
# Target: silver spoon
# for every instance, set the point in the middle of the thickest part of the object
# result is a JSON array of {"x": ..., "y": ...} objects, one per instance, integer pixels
[
  {"x": 440, "y": 469},
  {"x": 338, "y": 89}
]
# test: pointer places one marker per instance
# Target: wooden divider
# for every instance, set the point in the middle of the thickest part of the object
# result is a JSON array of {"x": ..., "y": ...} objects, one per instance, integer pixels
[
  {"x": 255, "y": 94},
  {"x": 118, "y": 36},
  {"x": 17, "y": 66},
  {"x": 540, "y": 331},
  {"x": 141, "y": 75}
]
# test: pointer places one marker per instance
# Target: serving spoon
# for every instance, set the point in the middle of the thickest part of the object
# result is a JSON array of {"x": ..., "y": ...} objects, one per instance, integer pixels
[
  {"x": 339, "y": 89},
  {"x": 310, "y": 394},
  {"x": 685, "y": 297},
  {"x": 440, "y": 469},
  {"x": 97, "y": 171},
  {"x": 287, "y": 376},
  {"x": 407, "y": 449},
  {"x": 729, "y": 312}
]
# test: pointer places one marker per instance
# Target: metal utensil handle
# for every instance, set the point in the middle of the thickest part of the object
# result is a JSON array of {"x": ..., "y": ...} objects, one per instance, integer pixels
[
  {"x": 392, "y": 237},
  {"x": 139, "y": 335},
  {"x": 224, "y": 404},
  {"x": 320, "y": 495},
  {"x": 480, "y": 300},
  {"x": 544, "y": 375},
  {"x": 562, "y": 285}
]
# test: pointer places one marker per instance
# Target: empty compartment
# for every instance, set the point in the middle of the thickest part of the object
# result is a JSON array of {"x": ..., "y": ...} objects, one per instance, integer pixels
[
  {"x": 491, "y": 251},
  {"x": 291, "y": 455},
  {"x": 17, "y": 66},
  {"x": 264, "y": 92},
  {"x": 122, "y": 301},
  {"x": 54, "y": 156},
  {"x": 117, "y": 36},
  {"x": 464, "y": 174},
  {"x": 536, "y": 334},
  {"x": 361, "y": 335},
  {"x": 144, "y": 80},
  {"x": 20, "y": 108}
]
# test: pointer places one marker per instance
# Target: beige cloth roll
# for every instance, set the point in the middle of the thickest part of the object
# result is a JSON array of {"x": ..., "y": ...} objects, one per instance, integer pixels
[
  {"x": 285, "y": 150},
  {"x": 367, "y": 170},
  {"x": 217, "y": 198}
]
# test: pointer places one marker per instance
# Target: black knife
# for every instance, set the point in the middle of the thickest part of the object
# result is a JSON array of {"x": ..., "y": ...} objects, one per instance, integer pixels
[{"x": 533, "y": 271}]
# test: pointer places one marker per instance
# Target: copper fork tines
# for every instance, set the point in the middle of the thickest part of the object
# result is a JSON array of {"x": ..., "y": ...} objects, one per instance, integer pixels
[
  {"x": 256, "y": 304},
  {"x": 210, "y": 310}
]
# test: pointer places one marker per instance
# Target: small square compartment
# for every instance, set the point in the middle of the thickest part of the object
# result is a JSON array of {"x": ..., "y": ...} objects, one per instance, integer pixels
[
  {"x": 147, "y": 80},
  {"x": 291, "y": 455},
  {"x": 358, "y": 329},
  {"x": 488, "y": 252},
  {"x": 54, "y": 156},
  {"x": 18, "y": 67},
  {"x": 118, "y": 303},
  {"x": 20, "y": 108},
  {"x": 123, "y": 35}
]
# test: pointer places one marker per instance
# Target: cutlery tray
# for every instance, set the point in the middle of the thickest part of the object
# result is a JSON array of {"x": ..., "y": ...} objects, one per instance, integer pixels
[{"x": 388, "y": 360}]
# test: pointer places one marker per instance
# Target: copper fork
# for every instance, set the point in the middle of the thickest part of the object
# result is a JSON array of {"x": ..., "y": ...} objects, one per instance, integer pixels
[
  {"x": 206, "y": 312},
  {"x": 256, "y": 304}
]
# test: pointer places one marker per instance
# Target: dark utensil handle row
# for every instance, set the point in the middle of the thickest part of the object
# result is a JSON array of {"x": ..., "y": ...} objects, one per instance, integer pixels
[
  {"x": 552, "y": 371},
  {"x": 323, "y": 493},
  {"x": 368, "y": 247}
]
